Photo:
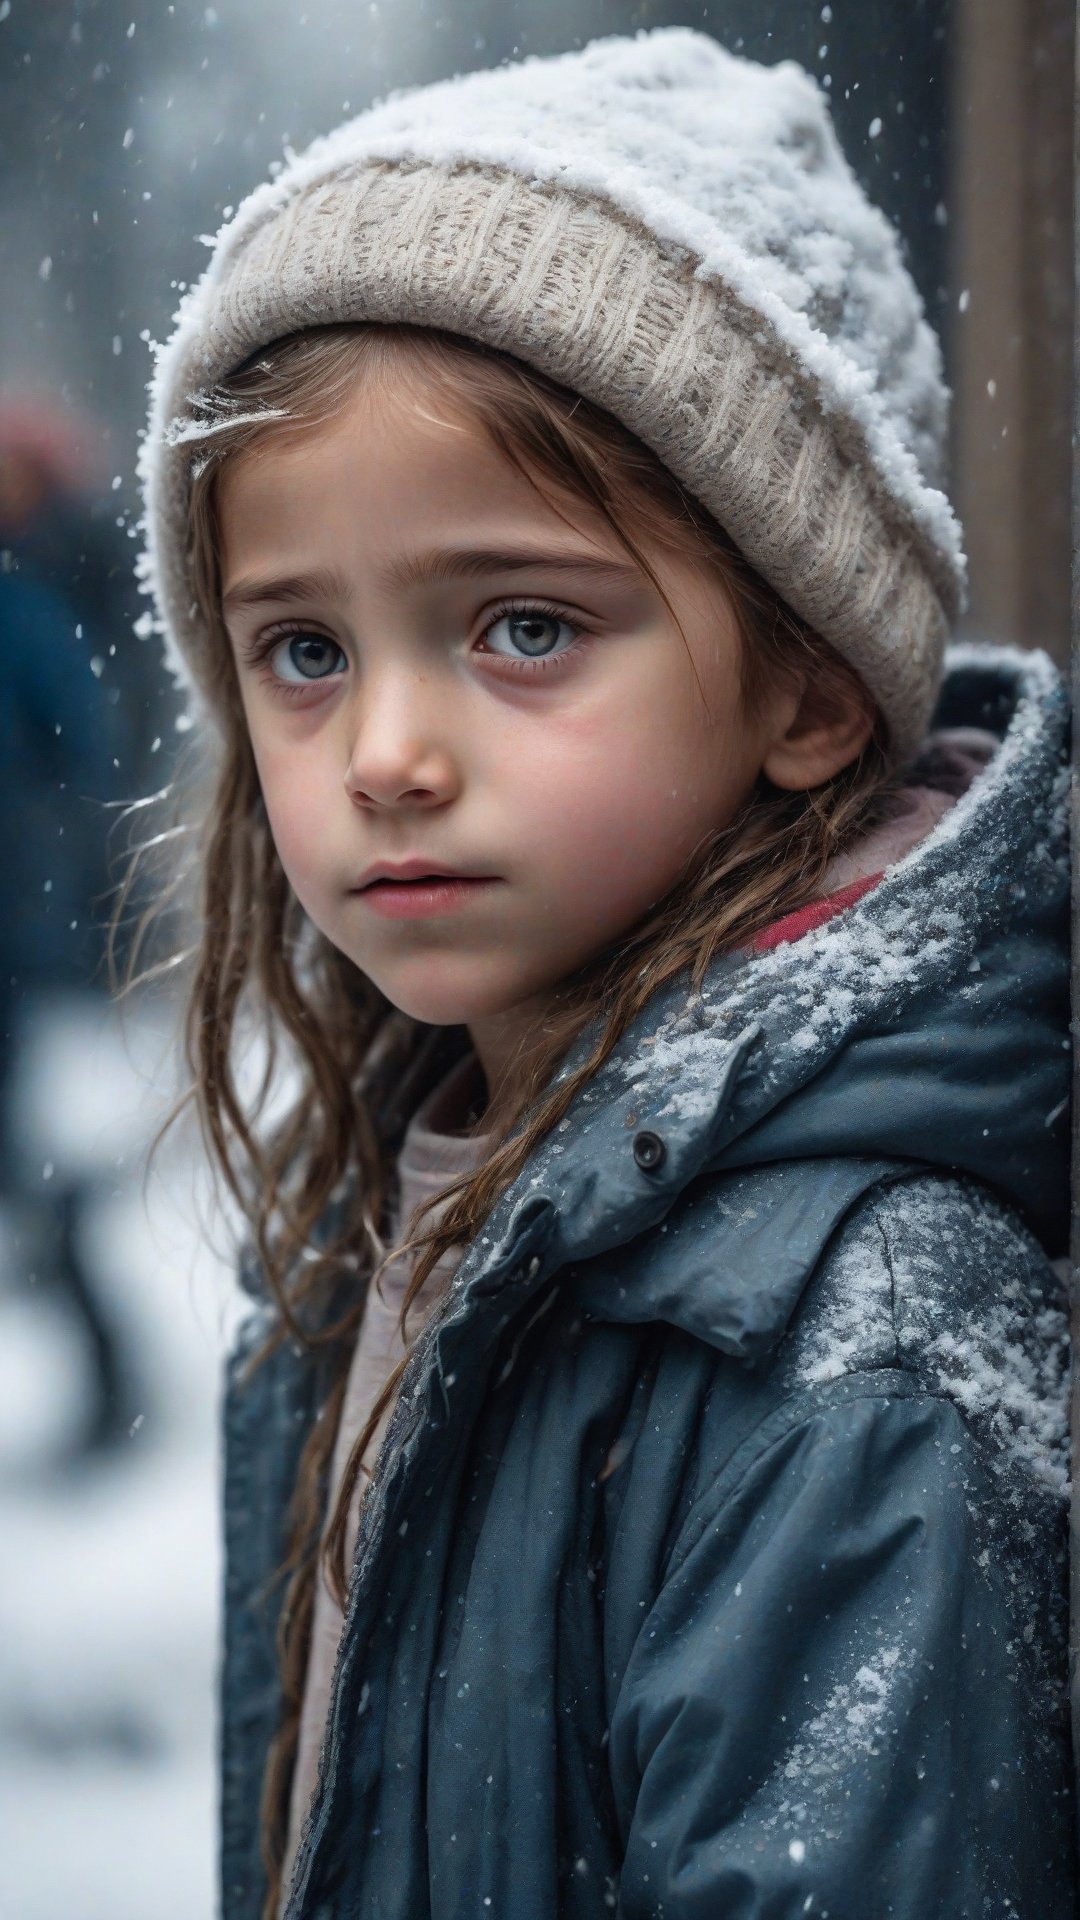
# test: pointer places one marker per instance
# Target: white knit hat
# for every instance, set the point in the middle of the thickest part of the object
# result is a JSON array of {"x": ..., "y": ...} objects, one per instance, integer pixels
[{"x": 668, "y": 230}]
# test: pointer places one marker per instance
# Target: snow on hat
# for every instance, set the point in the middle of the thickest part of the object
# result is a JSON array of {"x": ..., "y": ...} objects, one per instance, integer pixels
[{"x": 672, "y": 232}]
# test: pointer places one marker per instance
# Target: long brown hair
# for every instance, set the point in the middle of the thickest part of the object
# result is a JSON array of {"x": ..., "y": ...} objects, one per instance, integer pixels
[{"x": 315, "y": 1187}]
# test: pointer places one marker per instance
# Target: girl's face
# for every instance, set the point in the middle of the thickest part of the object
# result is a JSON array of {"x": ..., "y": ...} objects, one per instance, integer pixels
[{"x": 438, "y": 667}]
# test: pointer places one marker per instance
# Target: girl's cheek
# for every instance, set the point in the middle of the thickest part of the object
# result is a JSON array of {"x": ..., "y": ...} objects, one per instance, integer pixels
[
  {"x": 627, "y": 793},
  {"x": 293, "y": 794}
]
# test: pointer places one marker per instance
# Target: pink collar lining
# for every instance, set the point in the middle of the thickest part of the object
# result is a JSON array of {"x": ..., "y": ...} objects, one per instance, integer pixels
[{"x": 814, "y": 914}]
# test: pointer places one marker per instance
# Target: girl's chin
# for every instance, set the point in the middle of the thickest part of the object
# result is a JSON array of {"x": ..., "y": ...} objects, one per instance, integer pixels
[{"x": 452, "y": 1003}]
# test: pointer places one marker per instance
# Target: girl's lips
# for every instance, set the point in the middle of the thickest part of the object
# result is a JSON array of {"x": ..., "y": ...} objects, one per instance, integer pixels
[{"x": 419, "y": 899}]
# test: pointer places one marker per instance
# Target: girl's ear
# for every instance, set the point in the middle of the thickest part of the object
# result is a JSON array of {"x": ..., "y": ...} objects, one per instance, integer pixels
[{"x": 825, "y": 735}]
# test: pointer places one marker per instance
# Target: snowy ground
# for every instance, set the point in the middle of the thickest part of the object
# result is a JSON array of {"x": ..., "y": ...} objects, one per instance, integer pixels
[{"x": 109, "y": 1595}]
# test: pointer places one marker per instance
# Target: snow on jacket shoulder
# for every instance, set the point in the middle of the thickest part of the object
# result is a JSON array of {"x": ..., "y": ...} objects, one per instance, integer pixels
[
  {"x": 847, "y": 1697},
  {"x": 715, "y": 1560}
]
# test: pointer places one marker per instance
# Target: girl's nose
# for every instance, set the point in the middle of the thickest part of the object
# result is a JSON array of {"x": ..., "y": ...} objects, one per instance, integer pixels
[{"x": 399, "y": 754}]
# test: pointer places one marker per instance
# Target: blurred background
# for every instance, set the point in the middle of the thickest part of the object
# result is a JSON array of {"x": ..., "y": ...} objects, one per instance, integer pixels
[{"x": 128, "y": 132}]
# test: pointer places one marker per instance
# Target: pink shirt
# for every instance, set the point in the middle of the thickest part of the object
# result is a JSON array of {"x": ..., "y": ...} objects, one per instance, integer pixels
[{"x": 431, "y": 1156}]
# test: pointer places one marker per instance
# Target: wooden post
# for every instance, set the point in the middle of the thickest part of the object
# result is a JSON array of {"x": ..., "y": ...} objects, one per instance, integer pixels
[
  {"x": 1010, "y": 312},
  {"x": 1014, "y": 288}
]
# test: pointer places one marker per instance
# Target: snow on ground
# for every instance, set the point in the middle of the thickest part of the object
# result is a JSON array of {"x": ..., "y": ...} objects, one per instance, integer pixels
[{"x": 109, "y": 1596}]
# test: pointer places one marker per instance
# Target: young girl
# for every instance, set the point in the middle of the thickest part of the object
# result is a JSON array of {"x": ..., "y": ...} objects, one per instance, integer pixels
[{"x": 645, "y": 1458}]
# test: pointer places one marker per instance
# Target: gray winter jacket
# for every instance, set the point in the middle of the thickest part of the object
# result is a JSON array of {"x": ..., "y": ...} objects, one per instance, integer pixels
[{"x": 715, "y": 1569}]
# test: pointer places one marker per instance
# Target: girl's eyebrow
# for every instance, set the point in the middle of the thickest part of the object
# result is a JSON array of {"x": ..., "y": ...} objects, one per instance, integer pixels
[
  {"x": 457, "y": 563},
  {"x": 322, "y": 583},
  {"x": 427, "y": 569}
]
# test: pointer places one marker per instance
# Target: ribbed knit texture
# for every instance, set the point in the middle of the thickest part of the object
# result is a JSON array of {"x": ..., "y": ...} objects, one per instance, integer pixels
[{"x": 811, "y": 468}]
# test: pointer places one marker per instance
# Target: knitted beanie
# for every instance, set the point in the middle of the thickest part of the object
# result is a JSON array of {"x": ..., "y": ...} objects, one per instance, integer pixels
[{"x": 670, "y": 231}]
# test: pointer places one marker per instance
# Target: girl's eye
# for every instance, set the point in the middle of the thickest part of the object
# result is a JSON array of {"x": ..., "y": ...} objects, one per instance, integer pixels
[
  {"x": 304, "y": 657},
  {"x": 531, "y": 634}
]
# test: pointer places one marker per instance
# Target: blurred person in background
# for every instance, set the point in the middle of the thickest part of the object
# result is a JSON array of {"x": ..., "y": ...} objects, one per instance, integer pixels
[{"x": 68, "y": 748}]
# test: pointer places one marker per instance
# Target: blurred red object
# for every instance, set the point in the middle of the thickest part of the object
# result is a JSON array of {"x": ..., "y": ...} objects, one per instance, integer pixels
[{"x": 46, "y": 453}]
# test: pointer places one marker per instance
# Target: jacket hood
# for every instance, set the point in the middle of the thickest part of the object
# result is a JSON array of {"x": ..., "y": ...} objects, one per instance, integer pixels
[{"x": 925, "y": 1027}]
